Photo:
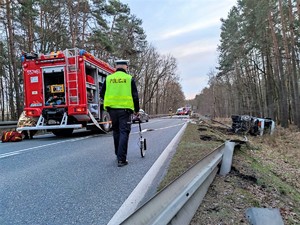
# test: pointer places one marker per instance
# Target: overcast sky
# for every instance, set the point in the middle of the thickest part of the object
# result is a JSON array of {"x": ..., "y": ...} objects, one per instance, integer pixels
[{"x": 189, "y": 30}]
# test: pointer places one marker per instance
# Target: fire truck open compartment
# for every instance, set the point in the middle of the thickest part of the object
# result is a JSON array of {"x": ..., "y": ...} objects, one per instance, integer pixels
[
  {"x": 91, "y": 90},
  {"x": 94, "y": 80},
  {"x": 54, "y": 86}
]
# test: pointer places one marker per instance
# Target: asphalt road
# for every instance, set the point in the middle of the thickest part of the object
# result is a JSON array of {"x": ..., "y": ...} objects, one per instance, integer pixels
[{"x": 64, "y": 181}]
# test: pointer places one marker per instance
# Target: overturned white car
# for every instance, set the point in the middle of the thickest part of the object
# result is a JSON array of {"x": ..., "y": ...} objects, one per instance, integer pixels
[{"x": 253, "y": 125}]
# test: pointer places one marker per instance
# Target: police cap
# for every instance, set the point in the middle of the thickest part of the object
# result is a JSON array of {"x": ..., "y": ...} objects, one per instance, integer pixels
[{"x": 122, "y": 62}]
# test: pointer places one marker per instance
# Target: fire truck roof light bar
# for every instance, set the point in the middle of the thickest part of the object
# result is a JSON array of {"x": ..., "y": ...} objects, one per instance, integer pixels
[{"x": 50, "y": 60}]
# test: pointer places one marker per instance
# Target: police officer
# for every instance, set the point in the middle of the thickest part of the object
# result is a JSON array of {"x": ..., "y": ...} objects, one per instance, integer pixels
[{"x": 120, "y": 100}]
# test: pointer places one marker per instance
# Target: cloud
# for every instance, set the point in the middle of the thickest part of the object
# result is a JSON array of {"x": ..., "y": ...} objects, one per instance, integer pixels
[
  {"x": 187, "y": 29},
  {"x": 193, "y": 48},
  {"x": 182, "y": 19},
  {"x": 194, "y": 85}
]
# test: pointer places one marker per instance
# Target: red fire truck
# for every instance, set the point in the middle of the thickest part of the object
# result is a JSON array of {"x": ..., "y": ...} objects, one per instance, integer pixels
[{"x": 62, "y": 91}]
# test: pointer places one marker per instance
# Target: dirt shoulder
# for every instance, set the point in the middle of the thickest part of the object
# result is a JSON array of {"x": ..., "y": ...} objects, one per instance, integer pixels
[{"x": 265, "y": 173}]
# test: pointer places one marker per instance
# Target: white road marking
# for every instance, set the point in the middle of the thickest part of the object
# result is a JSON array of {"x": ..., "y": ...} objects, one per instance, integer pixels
[
  {"x": 136, "y": 196},
  {"x": 8, "y": 154},
  {"x": 180, "y": 124},
  {"x": 162, "y": 128}
]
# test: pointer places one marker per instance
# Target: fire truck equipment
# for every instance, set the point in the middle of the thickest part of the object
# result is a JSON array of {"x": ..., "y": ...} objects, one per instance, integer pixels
[{"x": 57, "y": 88}]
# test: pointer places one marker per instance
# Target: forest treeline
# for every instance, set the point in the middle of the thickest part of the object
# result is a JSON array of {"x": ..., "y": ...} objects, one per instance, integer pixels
[
  {"x": 258, "y": 71},
  {"x": 257, "y": 75},
  {"x": 107, "y": 29}
]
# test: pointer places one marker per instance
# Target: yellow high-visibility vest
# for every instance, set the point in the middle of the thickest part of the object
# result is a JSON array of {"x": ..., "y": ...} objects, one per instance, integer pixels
[{"x": 118, "y": 91}]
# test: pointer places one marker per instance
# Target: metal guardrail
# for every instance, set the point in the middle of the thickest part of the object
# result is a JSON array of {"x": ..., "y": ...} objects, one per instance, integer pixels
[
  {"x": 8, "y": 124},
  {"x": 179, "y": 201}
]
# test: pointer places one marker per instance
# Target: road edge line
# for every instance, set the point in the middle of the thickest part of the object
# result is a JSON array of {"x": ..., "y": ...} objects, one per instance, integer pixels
[{"x": 137, "y": 195}]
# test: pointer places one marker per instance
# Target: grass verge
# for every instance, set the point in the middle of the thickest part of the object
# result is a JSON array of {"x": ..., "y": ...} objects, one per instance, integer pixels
[{"x": 264, "y": 174}]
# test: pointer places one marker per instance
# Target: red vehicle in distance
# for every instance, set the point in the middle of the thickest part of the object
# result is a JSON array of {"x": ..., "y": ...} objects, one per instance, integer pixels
[{"x": 183, "y": 111}]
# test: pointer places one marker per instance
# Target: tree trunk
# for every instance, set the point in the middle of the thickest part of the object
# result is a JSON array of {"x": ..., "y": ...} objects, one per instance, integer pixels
[
  {"x": 15, "y": 91},
  {"x": 281, "y": 79},
  {"x": 295, "y": 77}
]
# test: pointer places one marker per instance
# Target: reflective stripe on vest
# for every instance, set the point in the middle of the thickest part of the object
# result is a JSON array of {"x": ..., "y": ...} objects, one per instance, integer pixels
[{"x": 118, "y": 91}]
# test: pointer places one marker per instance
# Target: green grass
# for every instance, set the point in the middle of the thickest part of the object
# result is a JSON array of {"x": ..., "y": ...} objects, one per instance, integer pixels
[
  {"x": 189, "y": 151},
  {"x": 269, "y": 186}
]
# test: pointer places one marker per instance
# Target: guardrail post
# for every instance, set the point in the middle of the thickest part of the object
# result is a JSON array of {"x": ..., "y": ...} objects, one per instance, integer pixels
[{"x": 227, "y": 158}]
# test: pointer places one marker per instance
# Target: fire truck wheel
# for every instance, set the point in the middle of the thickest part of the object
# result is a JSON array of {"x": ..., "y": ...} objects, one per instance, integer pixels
[
  {"x": 63, "y": 132},
  {"x": 106, "y": 126}
]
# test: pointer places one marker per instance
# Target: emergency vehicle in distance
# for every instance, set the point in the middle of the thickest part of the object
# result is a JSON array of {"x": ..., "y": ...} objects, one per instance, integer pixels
[
  {"x": 183, "y": 111},
  {"x": 61, "y": 91}
]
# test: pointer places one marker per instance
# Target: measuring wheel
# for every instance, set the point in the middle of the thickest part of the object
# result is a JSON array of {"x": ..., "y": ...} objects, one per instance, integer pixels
[{"x": 143, "y": 145}]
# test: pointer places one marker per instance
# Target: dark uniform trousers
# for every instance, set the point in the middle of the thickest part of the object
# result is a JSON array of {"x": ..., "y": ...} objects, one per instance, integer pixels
[{"x": 121, "y": 126}]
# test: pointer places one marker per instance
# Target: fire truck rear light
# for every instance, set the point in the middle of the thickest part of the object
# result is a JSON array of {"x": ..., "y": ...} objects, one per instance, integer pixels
[
  {"x": 30, "y": 113},
  {"x": 25, "y": 65},
  {"x": 81, "y": 109}
]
